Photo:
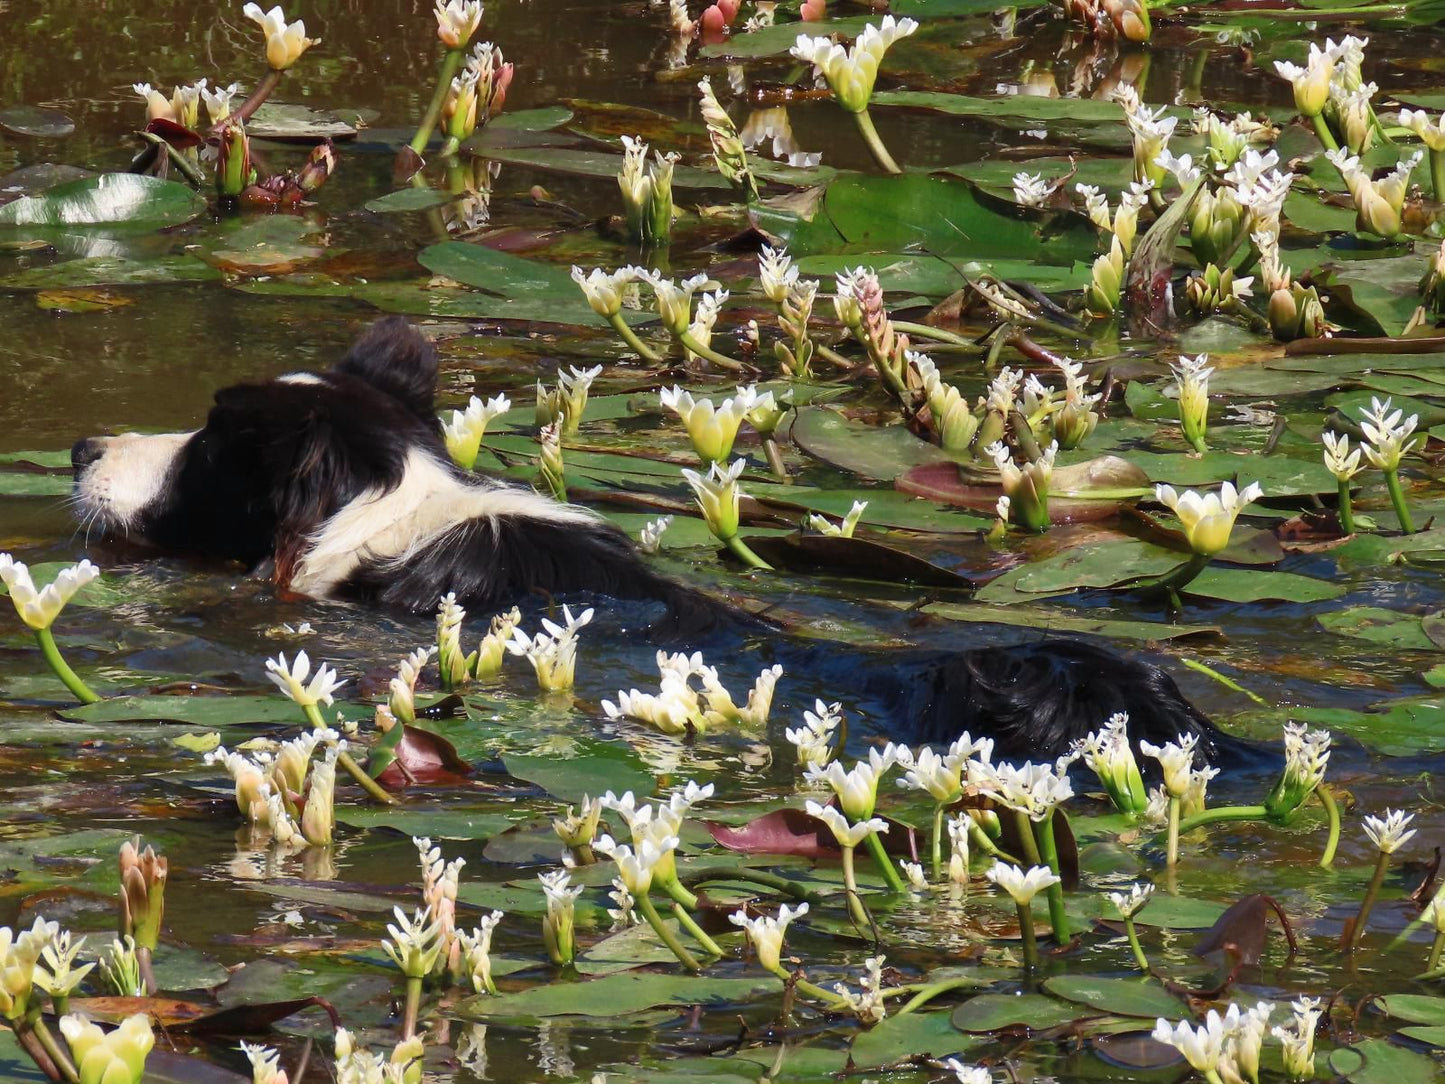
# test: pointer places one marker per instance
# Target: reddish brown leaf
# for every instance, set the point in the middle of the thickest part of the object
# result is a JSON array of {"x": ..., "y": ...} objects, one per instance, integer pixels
[
  {"x": 1241, "y": 934},
  {"x": 792, "y": 831},
  {"x": 177, "y": 135},
  {"x": 424, "y": 757}
]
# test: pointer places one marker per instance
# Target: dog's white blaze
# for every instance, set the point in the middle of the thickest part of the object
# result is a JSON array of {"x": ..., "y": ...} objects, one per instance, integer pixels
[
  {"x": 129, "y": 476},
  {"x": 301, "y": 378},
  {"x": 392, "y": 527}
]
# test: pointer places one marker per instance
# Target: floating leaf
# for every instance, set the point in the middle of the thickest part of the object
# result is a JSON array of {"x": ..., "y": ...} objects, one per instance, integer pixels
[
  {"x": 1390, "y": 628},
  {"x": 297, "y": 123},
  {"x": 985, "y": 1013},
  {"x": 110, "y": 271},
  {"x": 592, "y": 768},
  {"x": 1378, "y": 1061},
  {"x": 206, "y": 711},
  {"x": 35, "y": 121},
  {"x": 107, "y": 200},
  {"x": 618, "y": 995},
  {"x": 1120, "y": 997}
]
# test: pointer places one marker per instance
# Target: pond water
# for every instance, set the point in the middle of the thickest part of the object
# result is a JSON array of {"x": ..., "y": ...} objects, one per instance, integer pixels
[{"x": 134, "y": 328}]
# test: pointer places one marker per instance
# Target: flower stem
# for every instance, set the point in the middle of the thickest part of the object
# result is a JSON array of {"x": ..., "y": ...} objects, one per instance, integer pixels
[
  {"x": 811, "y": 989},
  {"x": 413, "y": 1007},
  {"x": 649, "y": 912},
  {"x": 740, "y": 550},
  {"x": 1172, "y": 859},
  {"x": 1346, "y": 509},
  {"x": 850, "y": 886},
  {"x": 1437, "y": 174},
  {"x": 707, "y": 353},
  {"x": 1048, "y": 848},
  {"x": 1368, "y": 903},
  {"x": 640, "y": 348},
  {"x": 937, "y": 841},
  {"x": 51, "y": 1047},
  {"x": 937, "y": 334},
  {"x": 880, "y": 858},
  {"x": 698, "y": 933},
  {"x": 875, "y": 142},
  {"x": 775, "y": 460},
  {"x": 451, "y": 62},
  {"x": 675, "y": 888},
  {"x": 1031, "y": 942},
  {"x": 1397, "y": 498},
  {"x": 1323, "y": 131},
  {"x": 269, "y": 82},
  {"x": 62, "y": 669},
  {"x": 984, "y": 842},
  {"x": 1435, "y": 949},
  {"x": 1026, "y": 833},
  {"x": 1138, "y": 950},
  {"x": 758, "y": 877},
  {"x": 1223, "y": 813},
  {"x": 368, "y": 784},
  {"x": 1332, "y": 810},
  {"x": 926, "y": 993}
]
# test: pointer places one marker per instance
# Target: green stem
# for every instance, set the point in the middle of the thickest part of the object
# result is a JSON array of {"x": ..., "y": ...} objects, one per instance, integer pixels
[
  {"x": 775, "y": 460},
  {"x": 51, "y": 1047},
  {"x": 984, "y": 842},
  {"x": 881, "y": 860},
  {"x": 677, "y": 891},
  {"x": 932, "y": 990},
  {"x": 413, "y": 1008},
  {"x": 875, "y": 142},
  {"x": 640, "y": 348},
  {"x": 698, "y": 933},
  {"x": 1435, "y": 949},
  {"x": 1212, "y": 1075},
  {"x": 925, "y": 331},
  {"x": 739, "y": 549},
  {"x": 1437, "y": 174},
  {"x": 1048, "y": 848},
  {"x": 758, "y": 877},
  {"x": 1346, "y": 509},
  {"x": 649, "y": 912},
  {"x": 1332, "y": 810},
  {"x": 1026, "y": 832},
  {"x": 1223, "y": 813},
  {"x": 368, "y": 784},
  {"x": 1183, "y": 575},
  {"x": 937, "y": 842},
  {"x": 1323, "y": 131},
  {"x": 1228, "y": 683},
  {"x": 269, "y": 82},
  {"x": 188, "y": 170},
  {"x": 707, "y": 353},
  {"x": 1397, "y": 498},
  {"x": 62, "y": 669},
  {"x": 831, "y": 355},
  {"x": 1031, "y": 941},
  {"x": 1172, "y": 858},
  {"x": 850, "y": 887},
  {"x": 1138, "y": 949},
  {"x": 802, "y": 985},
  {"x": 451, "y": 63},
  {"x": 1368, "y": 903}
]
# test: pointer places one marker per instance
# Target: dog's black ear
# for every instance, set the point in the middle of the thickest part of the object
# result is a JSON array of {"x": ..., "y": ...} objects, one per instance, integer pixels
[{"x": 396, "y": 358}]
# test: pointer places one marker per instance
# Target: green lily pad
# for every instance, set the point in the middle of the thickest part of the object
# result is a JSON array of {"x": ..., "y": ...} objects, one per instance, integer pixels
[
  {"x": 594, "y": 768},
  {"x": 207, "y": 711},
  {"x": 993, "y": 1012},
  {"x": 1378, "y": 1061},
  {"x": 1252, "y": 585},
  {"x": 618, "y": 995},
  {"x": 1104, "y": 564},
  {"x": 444, "y": 823},
  {"x": 1119, "y": 997},
  {"x": 297, "y": 123},
  {"x": 110, "y": 199},
  {"x": 1415, "y": 1008},
  {"x": 35, "y": 121},
  {"x": 1399, "y": 631},
  {"x": 773, "y": 40},
  {"x": 898, "y": 1037},
  {"x": 409, "y": 199},
  {"x": 1047, "y": 619},
  {"x": 111, "y": 271}
]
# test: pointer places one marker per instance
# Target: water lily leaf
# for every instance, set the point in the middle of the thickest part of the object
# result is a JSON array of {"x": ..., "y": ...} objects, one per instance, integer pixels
[
  {"x": 1028, "y": 1012},
  {"x": 205, "y": 711},
  {"x": 1241, "y": 934},
  {"x": 1013, "y": 107},
  {"x": 872, "y": 451},
  {"x": 782, "y": 832},
  {"x": 1415, "y": 1008},
  {"x": 1434, "y": 1036},
  {"x": 1053, "y": 620},
  {"x": 542, "y": 119},
  {"x": 297, "y": 123},
  {"x": 618, "y": 995},
  {"x": 773, "y": 40},
  {"x": 1082, "y": 492},
  {"x": 35, "y": 121},
  {"x": 110, "y": 271},
  {"x": 1400, "y": 631},
  {"x": 923, "y": 9},
  {"x": 898, "y": 1037},
  {"x": 1104, "y": 564},
  {"x": 109, "y": 199},
  {"x": 81, "y": 299},
  {"x": 863, "y": 558},
  {"x": 440, "y": 822},
  {"x": 593, "y": 768},
  {"x": 270, "y": 245},
  {"x": 409, "y": 199},
  {"x": 1378, "y": 1061},
  {"x": 1250, "y": 585},
  {"x": 1119, "y": 997},
  {"x": 592, "y": 163}
]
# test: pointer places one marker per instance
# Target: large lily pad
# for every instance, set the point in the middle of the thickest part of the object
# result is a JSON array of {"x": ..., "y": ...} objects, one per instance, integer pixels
[
  {"x": 111, "y": 199},
  {"x": 617, "y": 996}
]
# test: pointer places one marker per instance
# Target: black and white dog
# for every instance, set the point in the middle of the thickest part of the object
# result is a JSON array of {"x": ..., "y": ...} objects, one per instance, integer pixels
[{"x": 342, "y": 481}]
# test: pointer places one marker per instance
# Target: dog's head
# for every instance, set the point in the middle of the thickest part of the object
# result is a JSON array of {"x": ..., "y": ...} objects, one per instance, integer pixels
[{"x": 273, "y": 460}]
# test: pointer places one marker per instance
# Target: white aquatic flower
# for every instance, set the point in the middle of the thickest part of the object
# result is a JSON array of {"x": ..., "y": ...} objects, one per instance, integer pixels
[
  {"x": 1132, "y": 902},
  {"x": 939, "y": 776},
  {"x": 914, "y": 875},
  {"x": 668, "y": 711},
  {"x": 1243, "y": 1044},
  {"x": 605, "y": 292},
  {"x": 649, "y": 539},
  {"x": 1432, "y": 134},
  {"x": 851, "y": 72},
  {"x": 1182, "y": 166},
  {"x": 1387, "y": 434},
  {"x": 1250, "y": 168},
  {"x": 476, "y": 953},
  {"x": 457, "y": 21},
  {"x": 1340, "y": 459},
  {"x": 674, "y": 300},
  {"x": 414, "y": 943},
  {"x": 1306, "y": 757},
  {"x": 776, "y": 273},
  {"x": 712, "y": 429},
  {"x": 1033, "y": 789},
  {"x": 1151, "y": 131},
  {"x": 1298, "y": 1038},
  {"x": 1201, "y": 1046},
  {"x": 867, "y": 1005},
  {"x": 463, "y": 432},
  {"x": 1096, "y": 205},
  {"x": 1023, "y": 887},
  {"x": 1031, "y": 190},
  {"x": 552, "y": 652},
  {"x": 1208, "y": 518},
  {"x": 636, "y": 865},
  {"x": 58, "y": 976},
  {"x": 847, "y": 835},
  {"x": 766, "y": 933},
  {"x": 291, "y": 680},
  {"x": 1176, "y": 758},
  {"x": 1191, "y": 378},
  {"x": 825, "y": 526},
  {"x": 857, "y": 787},
  {"x": 1110, "y": 756},
  {"x": 958, "y": 858},
  {"x": 814, "y": 739},
  {"x": 218, "y": 101},
  {"x": 39, "y": 609},
  {"x": 718, "y": 496},
  {"x": 1311, "y": 83},
  {"x": 285, "y": 42},
  {"x": 1389, "y": 833},
  {"x": 968, "y": 1074}
]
